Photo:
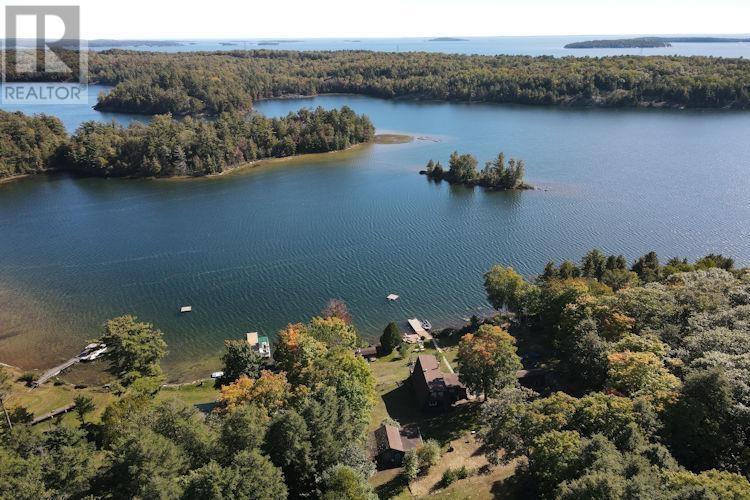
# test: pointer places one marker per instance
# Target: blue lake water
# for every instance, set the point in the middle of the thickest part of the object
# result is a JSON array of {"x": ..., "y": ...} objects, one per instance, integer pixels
[
  {"x": 259, "y": 248},
  {"x": 511, "y": 45}
]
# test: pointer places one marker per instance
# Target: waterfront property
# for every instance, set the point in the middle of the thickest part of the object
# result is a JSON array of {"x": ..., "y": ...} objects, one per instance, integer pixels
[
  {"x": 433, "y": 387},
  {"x": 259, "y": 344},
  {"x": 267, "y": 259},
  {"x": 419, "y": 330}
]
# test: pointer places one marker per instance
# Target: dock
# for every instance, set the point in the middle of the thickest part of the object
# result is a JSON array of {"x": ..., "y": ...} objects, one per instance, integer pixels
[
  {"x": 416, "y": 325},
  {"x": 89, "y": 353},
  {"x": 186, "y": 309},
  {"x": 260, "y": 344},
  {"x": 57, "y": 370}
]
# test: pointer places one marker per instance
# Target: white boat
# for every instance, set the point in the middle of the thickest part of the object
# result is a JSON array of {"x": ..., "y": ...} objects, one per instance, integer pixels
[
  {"x": 93, "y": 355},
  {"x": 392, "y": 297},
  {"x": 426, "y": 325},
  {"x": 217, "y": 375}
]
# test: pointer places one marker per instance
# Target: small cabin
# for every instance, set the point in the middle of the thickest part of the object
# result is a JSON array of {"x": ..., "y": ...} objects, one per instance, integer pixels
[{"x": 393, "y": 442}]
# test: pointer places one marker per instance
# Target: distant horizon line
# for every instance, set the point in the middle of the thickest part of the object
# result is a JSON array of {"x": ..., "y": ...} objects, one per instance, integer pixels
[{"x": 303, "y": 38}]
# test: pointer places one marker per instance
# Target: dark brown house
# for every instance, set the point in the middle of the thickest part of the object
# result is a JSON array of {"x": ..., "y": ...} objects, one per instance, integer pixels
[
  {"x": 433, "y": 387},
  {"x": 392, "y": 443}
]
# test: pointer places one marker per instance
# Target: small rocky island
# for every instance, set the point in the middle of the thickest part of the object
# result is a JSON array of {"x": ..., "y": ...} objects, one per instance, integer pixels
[{"x": 496, "y": 174}]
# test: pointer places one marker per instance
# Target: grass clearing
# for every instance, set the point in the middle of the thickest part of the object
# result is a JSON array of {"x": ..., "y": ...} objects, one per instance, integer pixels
[
  {"x": 201, "y": 394},
  {"x": 452, "y": 429}
]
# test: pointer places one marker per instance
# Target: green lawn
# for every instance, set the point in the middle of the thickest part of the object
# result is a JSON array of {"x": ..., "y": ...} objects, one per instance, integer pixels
[
  {"x": 396, "y": 399},
  {"x": 201, "y": 394},
  {"x": 49, "y": 396},
  {"x": 452, "y": 429}
]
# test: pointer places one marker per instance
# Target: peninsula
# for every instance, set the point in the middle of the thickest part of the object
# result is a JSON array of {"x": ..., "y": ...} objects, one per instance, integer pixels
[{"x": 167, "y": 147}]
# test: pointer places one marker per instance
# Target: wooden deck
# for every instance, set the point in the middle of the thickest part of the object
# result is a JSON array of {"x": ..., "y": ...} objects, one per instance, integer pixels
[{"x": 416, "y": 325}]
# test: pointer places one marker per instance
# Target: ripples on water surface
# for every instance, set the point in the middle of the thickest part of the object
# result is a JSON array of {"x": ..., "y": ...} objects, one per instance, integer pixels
[{"x": 257, "y": 249}]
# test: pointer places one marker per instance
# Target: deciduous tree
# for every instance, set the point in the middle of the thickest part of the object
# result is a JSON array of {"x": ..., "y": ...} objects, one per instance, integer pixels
[{"x": 488, "y": 360}]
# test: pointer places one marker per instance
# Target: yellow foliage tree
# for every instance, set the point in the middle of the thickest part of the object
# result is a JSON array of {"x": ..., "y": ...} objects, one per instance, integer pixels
[{"x": 269, "y": 391}]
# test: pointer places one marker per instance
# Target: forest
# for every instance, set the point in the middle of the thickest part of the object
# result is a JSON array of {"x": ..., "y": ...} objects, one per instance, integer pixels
[
  {"x": 30, "y": 144},
  {"x": 215, "y": 82},
  {"x": 168, "y": 147},
  {"x": 646, "y": 370},
  {"x": 297, "y": 431},
  {"x": 649, "y": 367},
  {"x": 496, "y": 174}
]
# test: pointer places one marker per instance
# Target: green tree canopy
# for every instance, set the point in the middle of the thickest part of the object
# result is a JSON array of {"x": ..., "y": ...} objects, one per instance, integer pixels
[
  {"x": 391, "y": 338},
  {"x": 488, "y": 360},
  {"x": 239, "y": 359},
  {"x": 133, "y": 348}
]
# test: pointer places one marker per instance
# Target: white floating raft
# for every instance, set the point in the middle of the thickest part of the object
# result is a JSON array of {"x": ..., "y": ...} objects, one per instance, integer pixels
[
  {"x": 186, "y": 309},
  {"x": 392, "y": 296}
]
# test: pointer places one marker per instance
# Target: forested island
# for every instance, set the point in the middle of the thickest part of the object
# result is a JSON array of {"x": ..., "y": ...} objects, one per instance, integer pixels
[
  {"x": 649, "y": 42},
  {"x": 168, "y": 147},
  {"x": 215, "y": 82},
  {"x": 496, "y": 174}
]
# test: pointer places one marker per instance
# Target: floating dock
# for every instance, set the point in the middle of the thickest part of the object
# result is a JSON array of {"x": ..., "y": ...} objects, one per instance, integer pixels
[
  {"x": 186, "y": 309},
  {"x": 392, "y": 297}
]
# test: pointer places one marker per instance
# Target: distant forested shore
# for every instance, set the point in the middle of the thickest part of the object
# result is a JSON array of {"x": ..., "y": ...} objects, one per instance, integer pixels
[
  {"x": 649, "y": 42},
  {"x": 167, "y": 147},
  {"x": 211, "y": 83}
]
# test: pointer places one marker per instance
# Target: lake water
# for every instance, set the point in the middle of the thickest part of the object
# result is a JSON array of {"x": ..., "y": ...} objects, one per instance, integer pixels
[
  {"x": 515, "y": 45},
  {"x": 259, "y": 248}
]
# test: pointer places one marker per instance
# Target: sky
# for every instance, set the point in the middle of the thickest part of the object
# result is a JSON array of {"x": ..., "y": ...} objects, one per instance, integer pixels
[{"x": 225, "y": 19}]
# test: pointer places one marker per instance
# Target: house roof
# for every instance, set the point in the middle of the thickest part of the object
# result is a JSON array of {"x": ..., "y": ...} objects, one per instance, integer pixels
[
  {"x": 451, "y": 380},
  {"x": 390, "y": 437},
  {"x": 428, "y": 362},
  {"x": 429, "y": 379}
]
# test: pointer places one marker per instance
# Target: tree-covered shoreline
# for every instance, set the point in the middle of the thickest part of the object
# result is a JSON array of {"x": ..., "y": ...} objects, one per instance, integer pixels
[
  {"x": 214, "y": 82},
  {"x": 496, "y": 174},
  {"x": 166, "y": 147}
]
